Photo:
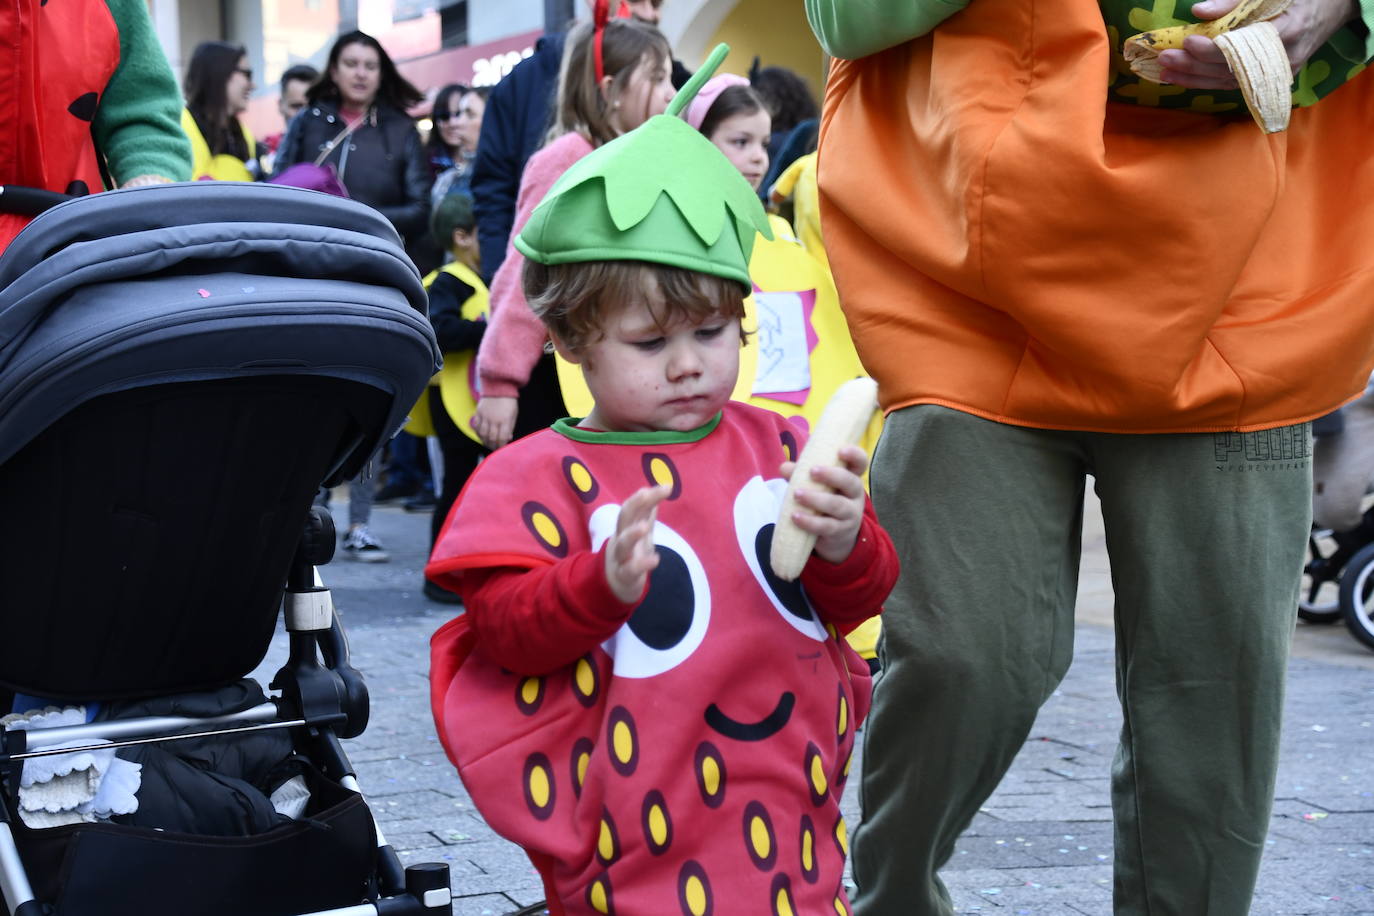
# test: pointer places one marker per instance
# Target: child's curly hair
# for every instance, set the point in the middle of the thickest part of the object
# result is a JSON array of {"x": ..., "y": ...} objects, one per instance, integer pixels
[{"x": 576, "y": 300}]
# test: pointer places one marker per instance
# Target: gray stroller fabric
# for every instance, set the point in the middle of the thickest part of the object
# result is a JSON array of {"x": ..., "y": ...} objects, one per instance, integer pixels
[{"x": 205, "y": 280}]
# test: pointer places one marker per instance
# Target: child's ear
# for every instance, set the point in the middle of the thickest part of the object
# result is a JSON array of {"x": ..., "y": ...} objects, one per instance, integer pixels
[{"x": 563, "y": 350}]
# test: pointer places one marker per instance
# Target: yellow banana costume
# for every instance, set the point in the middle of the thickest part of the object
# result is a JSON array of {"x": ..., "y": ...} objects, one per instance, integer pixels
[{"x": 457, "y": 380}]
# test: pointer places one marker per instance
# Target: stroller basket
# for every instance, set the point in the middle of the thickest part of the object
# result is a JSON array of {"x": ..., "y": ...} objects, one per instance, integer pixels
[{"x": 181, "y": 368}]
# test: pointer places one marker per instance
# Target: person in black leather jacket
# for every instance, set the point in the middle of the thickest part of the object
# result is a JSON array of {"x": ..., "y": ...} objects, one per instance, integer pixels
[
  {"x": 355, "y": 120},
  {"x": 382, "y": 161}
]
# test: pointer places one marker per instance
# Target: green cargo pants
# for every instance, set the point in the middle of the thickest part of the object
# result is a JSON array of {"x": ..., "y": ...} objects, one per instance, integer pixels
[{"x": 1206, "y": 536}]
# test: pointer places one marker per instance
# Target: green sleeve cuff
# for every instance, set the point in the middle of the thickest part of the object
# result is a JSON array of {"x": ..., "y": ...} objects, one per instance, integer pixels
[
  {"x": 138, "y": 125},
  {"x": 850, "y": 29}
]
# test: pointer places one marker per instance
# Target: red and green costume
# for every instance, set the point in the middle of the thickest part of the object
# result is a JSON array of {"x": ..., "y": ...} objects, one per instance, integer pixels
[
  {"x": 76, "y": 74},
  {"x": 684, "y": 754}
]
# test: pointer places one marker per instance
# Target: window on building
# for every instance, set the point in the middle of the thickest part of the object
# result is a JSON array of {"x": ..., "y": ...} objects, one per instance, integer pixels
[{"x": 453, "y": 24}]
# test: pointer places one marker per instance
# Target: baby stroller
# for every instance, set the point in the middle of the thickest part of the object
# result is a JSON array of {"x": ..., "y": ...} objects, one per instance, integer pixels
[{"x": 181, "y": 367}]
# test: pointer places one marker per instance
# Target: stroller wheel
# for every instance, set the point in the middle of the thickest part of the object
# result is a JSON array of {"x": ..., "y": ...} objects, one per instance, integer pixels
[
  {"x": 1357, "y": 595},
  {"x": 1319, "y": 599}
]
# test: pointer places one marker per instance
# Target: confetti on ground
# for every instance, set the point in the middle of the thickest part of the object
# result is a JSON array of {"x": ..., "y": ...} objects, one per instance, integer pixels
[{"x": 1314, "y": 815}]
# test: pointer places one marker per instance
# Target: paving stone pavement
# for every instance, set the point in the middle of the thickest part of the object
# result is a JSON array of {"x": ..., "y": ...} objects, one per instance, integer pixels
[{"x": 1042, "y": 844}]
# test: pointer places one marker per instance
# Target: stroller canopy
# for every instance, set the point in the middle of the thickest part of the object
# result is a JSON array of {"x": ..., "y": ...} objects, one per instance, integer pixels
[{"x": 207, "y": 280}]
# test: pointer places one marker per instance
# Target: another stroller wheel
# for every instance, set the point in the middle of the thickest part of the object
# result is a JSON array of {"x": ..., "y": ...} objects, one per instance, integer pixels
[
  {"x": 1319, "y": 599},
  {"x": 1357, "y": 595}
]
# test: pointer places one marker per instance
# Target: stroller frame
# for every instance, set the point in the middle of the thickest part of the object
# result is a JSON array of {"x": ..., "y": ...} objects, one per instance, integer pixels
[{"x": 322, "y": 697}]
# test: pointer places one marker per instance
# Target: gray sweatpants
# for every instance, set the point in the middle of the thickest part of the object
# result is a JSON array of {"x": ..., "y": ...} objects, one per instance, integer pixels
[{"x": 1206, "y": 536}]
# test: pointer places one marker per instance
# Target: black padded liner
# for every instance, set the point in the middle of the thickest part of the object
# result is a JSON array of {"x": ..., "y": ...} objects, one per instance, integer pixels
[
  {"x": 322, "y": 861},
  {"x": 157, "y": 527}
]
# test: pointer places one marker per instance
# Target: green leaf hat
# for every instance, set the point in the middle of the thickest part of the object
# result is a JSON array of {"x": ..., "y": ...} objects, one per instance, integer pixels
[{"x": 661, "y": 192}]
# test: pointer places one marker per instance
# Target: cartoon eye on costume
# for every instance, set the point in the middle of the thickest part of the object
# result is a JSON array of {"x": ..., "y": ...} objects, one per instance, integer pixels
[
  {"x": 756, "y": 513},
  {"x": 580, "y": 479},
  {"x": 599, "y": 894},
  {"x": 759, "y": 838},
  {"x": 781, "y": 892},
  {"x": 694, "y": 890},
  {"x": 671, "y": 621},
  {"x": 658, "y": 825},
  {"x": 709, "y": 766},
  {"x": 538, "y": 783},
  {"x": 809, "y": 868}
]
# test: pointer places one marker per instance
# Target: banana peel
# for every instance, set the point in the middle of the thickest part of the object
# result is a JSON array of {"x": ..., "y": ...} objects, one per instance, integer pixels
[{"x": 1252, "y": 48}]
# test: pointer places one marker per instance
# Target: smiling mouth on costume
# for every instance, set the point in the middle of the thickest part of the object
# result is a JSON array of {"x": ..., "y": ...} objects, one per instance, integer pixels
[{"x": 766, "y": 727}]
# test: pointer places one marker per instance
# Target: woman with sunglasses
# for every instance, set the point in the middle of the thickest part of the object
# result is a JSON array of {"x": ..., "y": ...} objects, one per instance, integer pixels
[
  {"x": 218, "y": 84},
  {"x": 457, "y": 119}
]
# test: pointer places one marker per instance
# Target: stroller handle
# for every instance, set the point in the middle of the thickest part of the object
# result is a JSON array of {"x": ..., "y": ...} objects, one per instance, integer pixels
[{"x": 25, "y": 201}]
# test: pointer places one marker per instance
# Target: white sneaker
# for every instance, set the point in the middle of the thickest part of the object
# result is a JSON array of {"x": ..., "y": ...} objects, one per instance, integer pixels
[{"x": 362, "y": 545}]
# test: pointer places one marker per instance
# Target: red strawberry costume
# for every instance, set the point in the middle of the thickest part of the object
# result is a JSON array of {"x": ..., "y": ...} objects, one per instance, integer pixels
[{"x": 682, "y": 755}]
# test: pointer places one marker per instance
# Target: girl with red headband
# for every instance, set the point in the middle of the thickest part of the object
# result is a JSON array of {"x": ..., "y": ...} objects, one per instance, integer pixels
[{"x": 615, "y": 76}]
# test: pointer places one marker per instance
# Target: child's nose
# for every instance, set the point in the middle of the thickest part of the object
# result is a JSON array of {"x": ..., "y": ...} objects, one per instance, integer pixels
[{"x": 684, "y": 361}]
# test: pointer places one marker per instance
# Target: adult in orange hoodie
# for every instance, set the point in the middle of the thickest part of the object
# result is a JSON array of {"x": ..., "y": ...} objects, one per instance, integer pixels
[{"x": 1075, "y": 273}]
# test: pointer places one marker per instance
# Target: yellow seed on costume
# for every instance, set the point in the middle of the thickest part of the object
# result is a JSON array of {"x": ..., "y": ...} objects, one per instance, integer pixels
[
  {"x": 623, "y": 742},
  {"x": 839, "y": 908},
  {"x": 847, "y": 761},
  {"x": 546, "y": 529},
  {"x": 661, "y": 473},
  {"x": 584, "y": 677},
  {"x": 581, "y": 477},
  {"x": 842, "y": 836},
  {"x": 539, "y": 787},
  {"x": 529, "y": 690},
  {"x": 782, "y": 904},
  {"x": 808, "y": 851},
  {"x": 583, "y": 760},
  {"x": 844, "y": 716},
  {"x": 696, "y": 896},
  {"x": 605, "y": 844},
  {"x": 710, "y": 775},
  {"x": 758, "y": 835},
  {"x": 658, "y": 826},
  {"x": 818, "y": 782},
  {"x": 597, "y": 897}
]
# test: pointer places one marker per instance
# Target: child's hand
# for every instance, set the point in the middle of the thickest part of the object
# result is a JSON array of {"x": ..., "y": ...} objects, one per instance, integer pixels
[
  {"x": 833, "y": 517},
  {"x": 494, "y": 420},
  {"x": 630, "y": 554}
]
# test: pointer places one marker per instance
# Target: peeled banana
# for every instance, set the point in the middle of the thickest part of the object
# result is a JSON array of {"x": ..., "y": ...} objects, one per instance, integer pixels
[
  {"x": 1252, "y": 48},
  {"x": 842, "y": 423}
]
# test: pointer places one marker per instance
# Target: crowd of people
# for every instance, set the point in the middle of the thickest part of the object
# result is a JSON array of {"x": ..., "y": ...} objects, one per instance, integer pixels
[{"x": 629, "y": 270}]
